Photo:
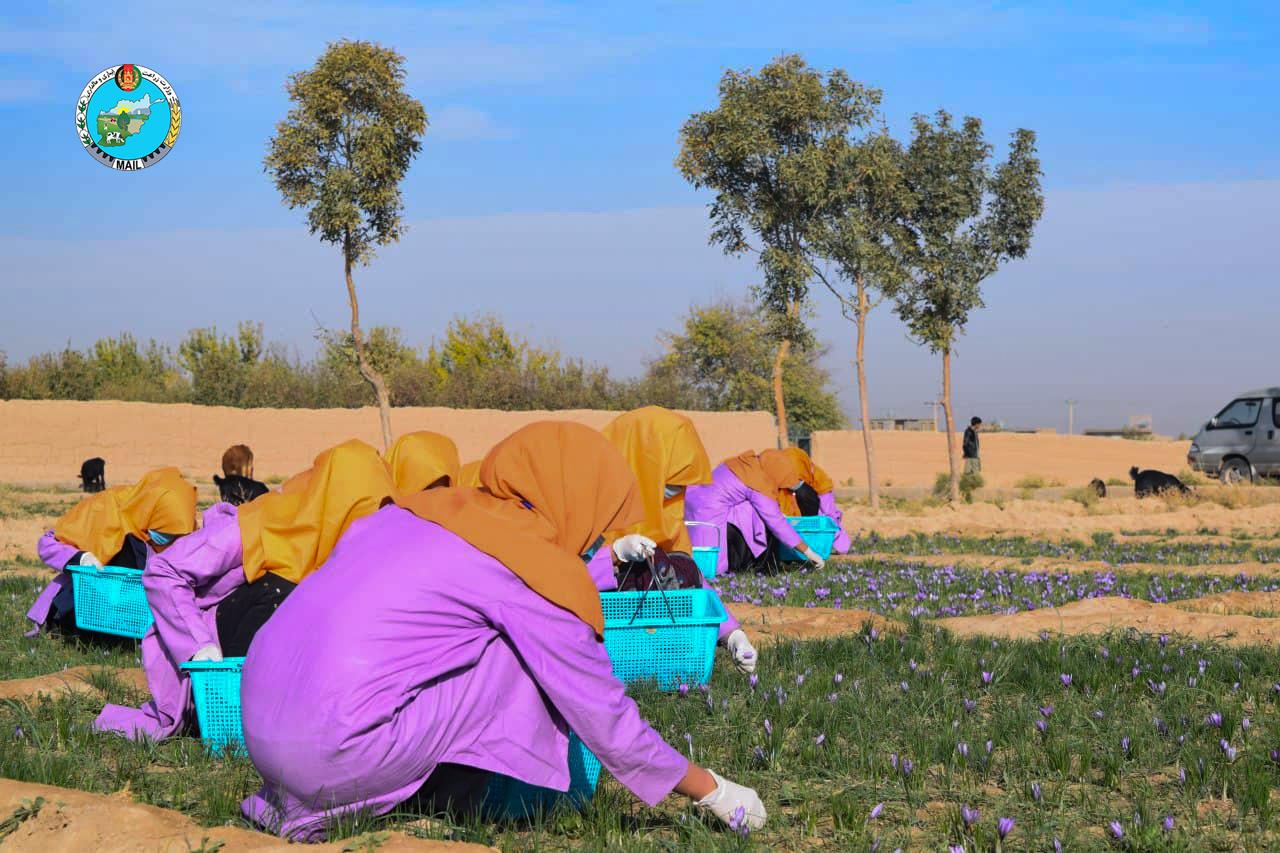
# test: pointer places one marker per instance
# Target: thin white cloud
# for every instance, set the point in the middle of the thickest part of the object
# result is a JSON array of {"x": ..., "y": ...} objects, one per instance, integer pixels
[{"x": 465, "y": 123}]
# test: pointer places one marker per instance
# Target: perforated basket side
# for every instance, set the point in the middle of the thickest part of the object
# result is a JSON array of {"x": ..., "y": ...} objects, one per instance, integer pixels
[
  {"x": 706, "y": 559},
  {"x": 110, "y": 600},
  {"x": 818, "y": 531},
  {"x": 215, "y": 687},
  {"x": 666, "y": 638}
]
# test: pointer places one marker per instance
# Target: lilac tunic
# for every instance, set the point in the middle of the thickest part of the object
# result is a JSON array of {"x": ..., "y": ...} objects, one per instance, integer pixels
[
  {"x": 601, "y": 569},
  {"x": 727, "y": 500},
  {"x": 184, "y": 587},
  {"x": 827, "y": 506},
  {"x": 412, "y": 648}
]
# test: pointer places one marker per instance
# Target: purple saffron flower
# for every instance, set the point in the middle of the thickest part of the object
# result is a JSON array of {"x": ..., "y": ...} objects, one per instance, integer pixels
[
  {"x": 1214, "y": 719},
  {"x": 1275, "y": 756},
  {"x": 737, "y": 822},
  {"x": 970, "y": 706},
  {"x": 990, "y": 746},
  {"x": 1098, "y": 715},
  {"x": 1057, "y": 845},
  {"x": 1246, "y": 724},
  {"x": 768, "y": 727},
  {"x": 1036, "y": 793},
  {"x": 753, "y": 680},
  {"x": 1042, "y": 726},
  {"x": 758, "y": 754},
  {"x": 904, "y": 686},
  {"x": 1046, "y": 711},
  {"x": 986, "y": 677},
  {"x": 832, "y": 697},
  {"x": 1117, "y": 830},
  {"x": 969, "y": 816},
  {"x": 1228, "y": 750},
  {"x": 893, "y": 760},
  {"x": 838, "y": 678},
  {"x": 875, "y": 811},
  {"x": 1124, "y": 744},
  {"x": 1065, "y": 678},
  {"x": 1004, "y": 826},
  {"x": 1168, "y": 823},
  {"x": 955, "y": 848},
  {"x": 963, "y": 749},
  {"x": 907, "y": 766},
  {"x": 820, "y": 739}
]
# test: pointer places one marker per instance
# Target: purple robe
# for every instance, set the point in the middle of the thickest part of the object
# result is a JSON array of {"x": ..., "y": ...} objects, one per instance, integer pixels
[
  {"x": 827, "y": 506},
  {"x": 727, "y": 500},
  {"x": 184, "y": 586},
  {"x": 412, "y": 648}
]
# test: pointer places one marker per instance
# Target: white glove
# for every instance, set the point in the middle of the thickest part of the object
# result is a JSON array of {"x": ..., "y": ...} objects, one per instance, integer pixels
[
  {"x": 728, "y": 797},
  {"x": 744, "y": 654},
  {"x": 812, "y": 556},
  {"x": 633, "y": 548},
  {"x": 208, "y": 653},
  {"x": 89, "y": 559}
]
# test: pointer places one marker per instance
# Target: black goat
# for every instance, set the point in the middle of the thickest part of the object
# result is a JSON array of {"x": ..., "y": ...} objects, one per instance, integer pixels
[
  {"x": 237, "y": 490},
  {"x": 1098, "y": 487},
  {"x": 1152, "y": 482},
  {"x": 93, "y": 476}
]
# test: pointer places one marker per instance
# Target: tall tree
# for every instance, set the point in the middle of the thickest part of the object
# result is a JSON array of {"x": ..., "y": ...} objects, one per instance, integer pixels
[
  {"x": 965, "y": 218},
  {"x": 863, "y": 239},
  {"x": 767, "y": 152},
  {"x": 341, "y": 154}
]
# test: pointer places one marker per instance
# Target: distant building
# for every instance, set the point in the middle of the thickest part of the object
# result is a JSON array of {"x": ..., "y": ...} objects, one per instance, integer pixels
[{"x": 904, "y": 424}]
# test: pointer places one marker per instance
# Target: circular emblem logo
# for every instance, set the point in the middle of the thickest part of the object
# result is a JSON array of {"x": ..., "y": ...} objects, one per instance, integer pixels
[{"x": 128, "y": 117}]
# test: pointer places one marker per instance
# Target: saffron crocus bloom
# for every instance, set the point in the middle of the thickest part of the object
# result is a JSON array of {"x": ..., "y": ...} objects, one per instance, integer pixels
[
  {"x": 1036, "y": 793},
  {"x": 907, "y": 766},
  {"x": 963, "y": 749},
  {"x": 1057, "y": 845},
  {"x": 1042, "y": 726},
  {"x": 875, "y": 811},
  {"x": 986, "y": 677},
  {"x": 838, "y": 677},
  {"x": 820, "y": 740},
  {"x": 683, "y": 690},
  {"x": 753, "y": 680},
  {"x": 1117, "y": 830},
  {"x": 1046, "y": 711},
  {"x": 969, "y": 816},
  {"x": 1065, "y": 678},
  {"x": 1214, "y": 719},
  {"x": 768, "y": 727},
  {"x": 1275, "y": 756},
  {"x": 1168, "y": 823},
  {"x": 1246, "y": 724},
  {"x": 1004, "y": 826},
  {"x": 955, "y": 848},
  {"x": 893, "y": 760},
  {"x": 970, "y": 706},
  {"x": 905, "y": 687},
  {"x": 1228, "y": 750},
  {"x": 1124, "y": 745}
]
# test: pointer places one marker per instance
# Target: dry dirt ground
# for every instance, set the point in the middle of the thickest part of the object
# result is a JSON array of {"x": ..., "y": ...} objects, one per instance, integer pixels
[{"x": 75, "y": 821}]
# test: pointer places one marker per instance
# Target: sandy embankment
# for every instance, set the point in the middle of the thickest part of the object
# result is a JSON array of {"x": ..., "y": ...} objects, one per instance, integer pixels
[{"x": 916, "y": 458}]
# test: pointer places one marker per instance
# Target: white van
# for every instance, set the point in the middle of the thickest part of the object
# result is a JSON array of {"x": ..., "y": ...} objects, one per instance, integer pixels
[{"x": 1241, "y": 442}]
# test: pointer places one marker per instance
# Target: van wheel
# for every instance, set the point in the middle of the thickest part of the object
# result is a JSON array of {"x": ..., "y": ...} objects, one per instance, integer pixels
[{"x": 1236, "y": 471}]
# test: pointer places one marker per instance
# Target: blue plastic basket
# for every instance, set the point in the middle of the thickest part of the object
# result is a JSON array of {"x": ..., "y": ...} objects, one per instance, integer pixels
[
  {"x": 215, "y": 686},
  {"x": 111, "y": 600},
  {"x": 512, "y": 799},
  {"x": 667, "y": 637},
  {"x": 707, "y": 557},
  {"x": 818, "y": 531},
  {"x": 707, "y": 560}
]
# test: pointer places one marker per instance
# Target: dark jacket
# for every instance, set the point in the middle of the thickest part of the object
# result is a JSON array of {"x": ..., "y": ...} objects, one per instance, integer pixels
[{"x": 970, "y": 443}]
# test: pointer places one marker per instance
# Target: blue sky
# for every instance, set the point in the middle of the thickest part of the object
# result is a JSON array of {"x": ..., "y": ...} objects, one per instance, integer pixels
[{"x": 545, "y": 191}]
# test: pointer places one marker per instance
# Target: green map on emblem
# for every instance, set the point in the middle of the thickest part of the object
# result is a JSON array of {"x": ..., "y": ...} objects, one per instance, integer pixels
[{"x": 126, "y": 118}]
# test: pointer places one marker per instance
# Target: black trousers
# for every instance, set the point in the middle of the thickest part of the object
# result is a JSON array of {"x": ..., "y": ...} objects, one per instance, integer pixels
[
  {"x": 453, "y": 789},
  {"x": 242, "y": 613},
  {"x": 742, "y": 560}
]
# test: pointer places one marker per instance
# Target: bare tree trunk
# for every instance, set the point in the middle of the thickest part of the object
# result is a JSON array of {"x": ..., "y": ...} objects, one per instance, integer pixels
[
  {"x": 362, "y": 360},
  {"x": 873, "y": 486},
  {"x": 950, "y": 422},
  {"x": 779, "y": 402}
]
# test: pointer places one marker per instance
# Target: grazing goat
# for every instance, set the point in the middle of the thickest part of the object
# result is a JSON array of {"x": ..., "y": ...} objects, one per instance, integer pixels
[
  {"x": 93, "y": 474},
  {"x": 1098, "y": 487},
  {"x": 1152, "y": 482}
]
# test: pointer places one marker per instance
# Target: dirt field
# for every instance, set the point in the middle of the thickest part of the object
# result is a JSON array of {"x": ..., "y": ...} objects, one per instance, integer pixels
[
  {"x": 916, "y": 458},
  {"x": 45, "y": 441}
]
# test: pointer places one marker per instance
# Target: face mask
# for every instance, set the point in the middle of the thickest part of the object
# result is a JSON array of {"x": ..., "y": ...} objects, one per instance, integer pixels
[
  {"x": 591, "y": 552},
  {"x": 670, "y": 492},
  {"x": 158, "y": 538}
]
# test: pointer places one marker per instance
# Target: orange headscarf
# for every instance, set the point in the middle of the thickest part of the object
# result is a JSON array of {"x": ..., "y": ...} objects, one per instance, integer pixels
[
  {"x": 663, "y": 449},
  {"x": 418, "y": 459},
  {"x": 469, "y": 475},
  {"x": 806, "y": 470},
  {"x": 765, "y": 473},
  {"x": 576, "y": 486},
  {"x": 292, "y": 533},
  {"x": 160, "y": 501}
]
